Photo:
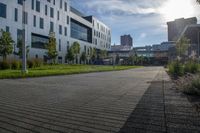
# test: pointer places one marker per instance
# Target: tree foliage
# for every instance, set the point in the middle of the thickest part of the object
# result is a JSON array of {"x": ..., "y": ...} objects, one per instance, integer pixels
[
  {"x": 51, "y": 48},
  {"x": 76, "y": 49},
  {"x": 6, "y": 44},
  {"x": 20, "y": 51},
  {"x": 83, "y": 57},
  {"x": 70, "y": 55},
  {"x": 103, "y": 54},
  {"x": 182, "y": 46}
]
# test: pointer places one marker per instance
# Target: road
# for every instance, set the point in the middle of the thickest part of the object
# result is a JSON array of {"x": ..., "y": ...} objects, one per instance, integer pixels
[{"x": 122, "y": 101}]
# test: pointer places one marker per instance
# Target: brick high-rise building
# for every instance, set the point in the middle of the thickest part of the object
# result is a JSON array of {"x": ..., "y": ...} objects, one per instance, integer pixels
[
  {"x": 175, "y": 28},
  {"x": 126, "y": 40}
]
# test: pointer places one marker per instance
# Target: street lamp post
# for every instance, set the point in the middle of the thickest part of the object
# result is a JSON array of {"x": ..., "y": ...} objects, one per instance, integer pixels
[
  {"x": 24, "y": 69},
  {"x": 198, "y": 44}
]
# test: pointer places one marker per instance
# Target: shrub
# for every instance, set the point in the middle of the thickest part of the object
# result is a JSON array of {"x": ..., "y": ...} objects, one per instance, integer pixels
[
  {"x": 15, "y": 65},
  {"x": 38, "y": 62},
  {"x": 30, "y": 63},
  {"x": 176, "y": 68},
  {"x": 4, "y": 65},
  {"x": 191, "y": 67},
  {"x": 192, "y": 87}
]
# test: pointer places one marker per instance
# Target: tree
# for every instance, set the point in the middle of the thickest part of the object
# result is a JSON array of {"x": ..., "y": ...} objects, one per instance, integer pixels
[
  {"x": 20, "y": 53},
  {"x": 70, "y": 55},
  {"x": 93, "y": 54},
  {"x": 6, "y": 44},
  {"x": 76, "y": 49},
  {"x": 117, "y": 59},
  {"x": 51, "y": 47},
  {"x": 103, "y": 54},
  {"x": 182, "y": 46},
  {"x": 83, "y": 57}
]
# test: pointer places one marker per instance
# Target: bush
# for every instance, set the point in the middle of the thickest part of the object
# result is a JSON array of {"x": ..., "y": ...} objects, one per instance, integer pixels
[
  {"x": 38, "y": 62},
  {"x": 191, "y": 67},
  {"x": 30, "y": 63},
  {"x": 4, "y": 65},
  {"x": 176, "y": 68},
  {"x": 15, "y": 65},
  {"x": 192, "y": 87}
]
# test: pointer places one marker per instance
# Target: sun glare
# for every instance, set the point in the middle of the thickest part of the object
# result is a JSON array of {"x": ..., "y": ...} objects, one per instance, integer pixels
[{"x": 173, "y": 9}]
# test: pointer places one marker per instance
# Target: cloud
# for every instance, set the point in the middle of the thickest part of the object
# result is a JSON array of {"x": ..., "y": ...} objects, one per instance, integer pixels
[{"x": 143, "y": 35}]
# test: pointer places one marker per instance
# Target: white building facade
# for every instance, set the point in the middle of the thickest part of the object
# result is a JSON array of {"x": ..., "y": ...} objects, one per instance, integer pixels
[{"x": 40, "y": 17}]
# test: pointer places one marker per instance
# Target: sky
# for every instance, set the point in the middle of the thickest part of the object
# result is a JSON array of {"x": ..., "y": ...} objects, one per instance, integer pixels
[{"x": 144, "y": 20}]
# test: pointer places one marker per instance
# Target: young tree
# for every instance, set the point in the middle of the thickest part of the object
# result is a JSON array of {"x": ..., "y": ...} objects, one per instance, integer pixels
[
  {"x": 6, "y": 44},
  {"x": 93, "y": 54},
  {"x": 182, "y": 46},
  {"x": 51, "y": 47},
  {"x": 83, "y": 57},
  {"x": 117, "y": 59},
  {"x": 70, "y": 55},
  {"x": 76, "y": 49},
  {"x": 103, "y": 54},
  {"x": 20, "y": 53}
]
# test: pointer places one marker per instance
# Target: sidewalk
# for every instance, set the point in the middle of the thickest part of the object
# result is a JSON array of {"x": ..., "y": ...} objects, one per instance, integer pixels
[{"x": 163, "y": 109}]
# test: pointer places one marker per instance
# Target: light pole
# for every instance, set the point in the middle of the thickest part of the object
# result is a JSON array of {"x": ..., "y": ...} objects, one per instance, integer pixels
[
  {"x": 24, "y": 69},
  {"x": 198, "y": 44}
]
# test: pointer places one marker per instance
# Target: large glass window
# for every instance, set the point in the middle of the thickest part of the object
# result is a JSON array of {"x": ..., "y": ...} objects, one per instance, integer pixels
[
  {"x": 34, "y": 20},
  {"x": 16, "y": 14},
  {"x": 25, "y": 18},
  {"x": 60, "y": 29},
  {"x": 51, "y": 12},
  {"x": 65, "y": 6},
  {"x": 39, "y": 41},
  {"x": 41, "y": 23},
  {"x": 20, "y": 2},
  {"x": 3, "y": 10},
  {"x": 65, "y": 31},
  {"x": 46, "y": 10},
  {"x": 61, "y": 4},
  {"x": 67, "y": 19},
  {"x": 19, "y": 36},
  {"x": 51, "y": 27},
  {"x": 33, "y": 4},
  {"x": 38, "y": 6},
  {"x": 80, "y": 31}
]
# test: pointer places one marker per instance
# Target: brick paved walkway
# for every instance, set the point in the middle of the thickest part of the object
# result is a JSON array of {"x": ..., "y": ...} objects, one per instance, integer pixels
[{"x": 97, "y": 103}]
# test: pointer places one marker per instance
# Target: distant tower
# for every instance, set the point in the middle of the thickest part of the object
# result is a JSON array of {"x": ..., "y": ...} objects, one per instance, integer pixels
[{"x": 126, "y": 40}]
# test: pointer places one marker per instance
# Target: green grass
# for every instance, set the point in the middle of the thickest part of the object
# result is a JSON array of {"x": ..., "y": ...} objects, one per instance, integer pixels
[{"x": 49, "y": 70}]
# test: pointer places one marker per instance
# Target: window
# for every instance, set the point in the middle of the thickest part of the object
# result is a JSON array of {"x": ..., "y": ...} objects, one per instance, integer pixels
[
  {"x": 65, "y": 6},
  {"x": 51, "y": 12},
  {"x": 60, "y": 4},
  {"x": 39, "y": 41},
  {"x": 19, "y": 36},
  {"x": 20, "y": 2},
  {"x": 67, "y": 19},
  {"x": 65, "y": 31},
  {"x": 51, "y": 27},
  {"x": 60, "y": 29},
  {"x": 3, "y": 10},
  {"x": 7, "y": 29},
  {"x": 46, "y": 10},
  {"x": 41, "y": 23},
  {"x": 16, "y": 14},
  {"x": 58, "y": 15},
  {"x": 38, "y": 6},
  {"x": 33, "y": 3},
  {"x": 34, "y": 20},
  {"x": 49, "y": 1},
  {"x": 59, "y": 45},
  {"x": 25, "y": 18},
  {"x": 54, "y": 2}
]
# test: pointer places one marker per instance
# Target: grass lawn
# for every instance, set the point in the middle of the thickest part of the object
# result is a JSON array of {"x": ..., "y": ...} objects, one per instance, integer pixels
[{"x": 49, "y": 70}]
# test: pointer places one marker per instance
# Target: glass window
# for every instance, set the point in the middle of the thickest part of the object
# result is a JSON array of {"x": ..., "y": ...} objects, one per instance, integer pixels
[
  {"x": 3, "y": 10},
  {"x": 61, "y": 4},
  {"x": 16, "y": 14},
  {"x": 33, "y": 3},
  {"x": 19, "y": 36},
  {"x": 49, "y": 1},
  {"x": 7, "y": 29},
  {"x": 20, "y": 2},
  {"x": 67, "y": 19},
  {"x": 39, "y": 41},
  {"x": 65, "y": 31},
  {"x": 51, "y": 12},
  {"x": 34, "y": 20},
  {"x": 54, "y": 2},
  {"x": 41, "y": 23},
  {"x": 38, "y": 6},
  {"x": 65, "y": 6},
  {"x": 60, "y": 29},
  {"x": 25, "y": 18},
  {"x": 59, "y": 45},
  {"x": 58, "y": 15},
  {"x": 51, "y": 27},
  {"x": 46, "y": 10}
]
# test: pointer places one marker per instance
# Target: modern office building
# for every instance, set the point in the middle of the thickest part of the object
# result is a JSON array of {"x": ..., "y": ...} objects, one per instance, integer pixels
[
  {"x": 175, "y": 28},
  {"x": 126, "y": 40},
  {"x": 40, "y": 17}
]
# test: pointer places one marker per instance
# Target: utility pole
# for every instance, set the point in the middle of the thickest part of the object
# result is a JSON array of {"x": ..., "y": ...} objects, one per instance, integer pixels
[
  {"x": 24, "y": 69},
  {"x": 198, "y": 44}
]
